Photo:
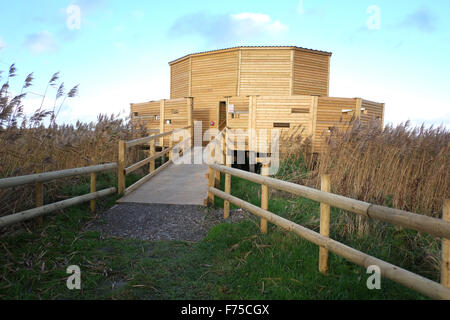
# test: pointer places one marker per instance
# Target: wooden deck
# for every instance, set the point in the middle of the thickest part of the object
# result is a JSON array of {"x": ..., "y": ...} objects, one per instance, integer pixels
[{"x": 182, "y": 184}]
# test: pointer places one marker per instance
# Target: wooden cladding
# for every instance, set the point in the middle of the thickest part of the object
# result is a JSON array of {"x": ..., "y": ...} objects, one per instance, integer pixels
[
  {"x": 310, "y": 74},
  {"x": 281, "y": 125},
  {"x": 282, "y": 71}
]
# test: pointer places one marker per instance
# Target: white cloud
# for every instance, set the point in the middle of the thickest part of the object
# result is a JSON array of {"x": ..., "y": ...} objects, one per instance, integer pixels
[
  {"x": 223, "y": 28},
  {"x": 138, "y": 14},
  {"x": 249, "y": 23},
  {"x": 2, "y": 44},
  {"x": 120, "y": 45},
  {"x": 41, "y": 42}
]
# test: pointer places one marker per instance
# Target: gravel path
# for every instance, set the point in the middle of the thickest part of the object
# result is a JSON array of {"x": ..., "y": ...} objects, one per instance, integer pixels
[{"x": 158, "y": 222}]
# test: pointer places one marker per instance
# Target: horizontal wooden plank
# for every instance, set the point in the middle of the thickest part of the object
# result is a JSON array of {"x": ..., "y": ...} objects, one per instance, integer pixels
[{"x": 53, "y": 175}]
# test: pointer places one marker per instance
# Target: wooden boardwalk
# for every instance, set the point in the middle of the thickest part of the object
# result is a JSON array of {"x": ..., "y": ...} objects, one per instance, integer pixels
[{"x": 180, "y": 184}]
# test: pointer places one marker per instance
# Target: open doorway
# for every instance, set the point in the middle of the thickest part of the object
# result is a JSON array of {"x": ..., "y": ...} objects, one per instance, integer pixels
[{"x": 222, "y": 123}]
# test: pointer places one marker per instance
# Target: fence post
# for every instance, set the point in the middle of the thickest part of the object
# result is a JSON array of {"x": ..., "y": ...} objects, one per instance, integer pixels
[
  {"x": 264, "y": 197},
  {"x": 39, "y": 197},
  {"x": 170, "y": 146},
  {"x": 121, "y": 167},
  {"x": 190, "y": 105},
  {"x": 151, "y": 154},
  {"x": 93, "y": 203},
  {"x": 217, "y": 156},
  {"x": 445, "y": 266},
  {"x": 226, "y": 204},
  {"x": 324, "y": 224},
  {"x": 211, "y": 176}
]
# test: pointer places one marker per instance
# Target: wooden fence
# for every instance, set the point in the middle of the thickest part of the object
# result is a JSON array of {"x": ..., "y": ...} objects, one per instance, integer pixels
[
  {"x": 39, "y": 179},
  {"x": 433, "y": 226},
  {"x": 125, "y": 145}
]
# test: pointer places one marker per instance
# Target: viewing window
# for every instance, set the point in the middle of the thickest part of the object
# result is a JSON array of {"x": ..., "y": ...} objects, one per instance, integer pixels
[
  {"x": 300, "y": 110},
  {"x": 281, "y": 125}
]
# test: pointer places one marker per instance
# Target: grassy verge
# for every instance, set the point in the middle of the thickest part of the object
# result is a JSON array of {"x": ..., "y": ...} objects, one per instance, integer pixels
[{"x": 233, "y": 262}]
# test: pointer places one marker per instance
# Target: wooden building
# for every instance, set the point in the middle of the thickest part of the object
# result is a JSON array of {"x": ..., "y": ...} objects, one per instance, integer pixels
[{"x": 255, "y": 88}]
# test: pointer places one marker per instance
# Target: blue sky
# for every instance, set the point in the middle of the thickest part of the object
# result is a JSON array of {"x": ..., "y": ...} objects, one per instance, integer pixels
[{"x": 395, "y": 52}]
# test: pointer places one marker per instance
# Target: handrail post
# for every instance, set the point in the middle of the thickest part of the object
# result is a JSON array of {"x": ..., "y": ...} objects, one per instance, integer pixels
[
  {"x": 39, "y": 197},
  {"x": 226, "y": 204},
  {"x": 170, "y": 147},
  {"x": 324, "y": 224},
  {"x": 93, "y": 203},
  {"x": 445, "y": 265},
  {"x": 217, "y": 157},
  {"x": 190, "y": 105},
  {"x": 264, "y": 197},
  {"x": 121, "y": 167},
  {"x": 211, "y": 176},
  {"x": 151, "y": 154}
]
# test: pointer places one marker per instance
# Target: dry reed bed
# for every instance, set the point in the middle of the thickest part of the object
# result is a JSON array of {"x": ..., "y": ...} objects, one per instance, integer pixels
[
  {"x": 42, "y": 149},
  {"x": 404, "y": 167},
  {"x": 36, "y": 143},
  {"x": 400, "y": 166}
]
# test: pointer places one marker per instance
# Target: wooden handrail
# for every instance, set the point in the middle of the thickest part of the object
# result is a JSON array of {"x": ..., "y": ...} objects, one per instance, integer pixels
[
  {"x": 433, "y": 226},
  {"x": 136, "y": 142},
  {"x": 40, "y": 178},
  {"x": 402, "y": 276},
  {"x": 142, "y": 163},
  {"x": 40, "y": 211},
  {"x": 53, "y": 175}
]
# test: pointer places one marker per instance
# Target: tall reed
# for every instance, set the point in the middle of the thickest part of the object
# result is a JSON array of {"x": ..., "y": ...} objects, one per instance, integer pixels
[{"x": 36, "y": 143}]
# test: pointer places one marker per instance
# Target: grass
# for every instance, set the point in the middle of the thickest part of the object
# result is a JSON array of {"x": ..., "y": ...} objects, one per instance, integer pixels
[{"x": 234, "y": 261}]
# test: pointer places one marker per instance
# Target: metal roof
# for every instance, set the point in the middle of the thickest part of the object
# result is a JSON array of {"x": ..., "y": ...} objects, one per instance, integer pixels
[{"x": 251, "y": 47}]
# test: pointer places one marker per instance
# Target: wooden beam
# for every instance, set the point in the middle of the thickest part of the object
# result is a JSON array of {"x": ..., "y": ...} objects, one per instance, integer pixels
[
  {"x": 93, "y": 203},
  {"x": 36, "y": 212},
  {"x": 238, "y": 91},
  {"x": 121, "y": 167},
  {"x": 152, "y": 154},
  {"x": 291, "y": 80},
  {"x": 390, "y": 271},
  {"x": 358, "y": 108},
  {"x": 190, "y": 112},
  {"x": 264, "y": 197},
  {"x": 324, "y": 225},
  {"x": 211, "y": 177},
  {"x": 162, "y": 107},
  {"x": 53, "y": 175},
  {"x": 315, "y": 105},
  {"x": 445, "y": 265},
  {"x": 422, "y": 223},
  {"x": 226, "y": 204}
]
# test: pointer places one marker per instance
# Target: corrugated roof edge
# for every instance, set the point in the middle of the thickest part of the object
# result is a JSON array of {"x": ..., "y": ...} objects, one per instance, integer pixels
[{"x": 251, "y": 47}]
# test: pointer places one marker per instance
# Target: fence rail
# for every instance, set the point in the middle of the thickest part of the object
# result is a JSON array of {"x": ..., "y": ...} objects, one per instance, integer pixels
[
  {"x": 40, "y": 178},
  {"x": 436, "y": 227},
  {"x": 53, "y": 175}
]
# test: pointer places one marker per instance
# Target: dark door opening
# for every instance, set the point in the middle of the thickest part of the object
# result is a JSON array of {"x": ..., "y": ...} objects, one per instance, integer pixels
[{"x": 222, "y": 115}]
